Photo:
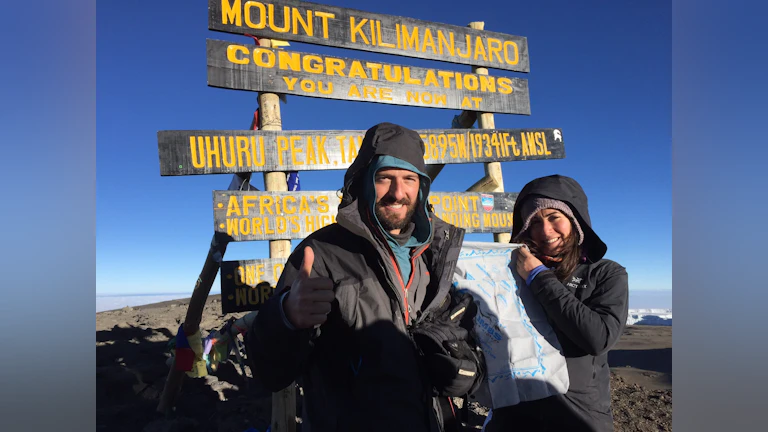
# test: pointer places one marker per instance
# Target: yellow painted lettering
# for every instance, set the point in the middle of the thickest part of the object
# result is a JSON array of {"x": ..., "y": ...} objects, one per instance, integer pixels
[
  {"x": 531, "y": 143},
  {"x": 356, "y": 70},
  {"x": 259, "y": 57},
  {"x": 325, "y": 16},
  {"x": 295, "y": 227},
  {"x": 373, "y": 33},
  {"x": 431, "y": 79},
  {"x": 357, "y": 29},
  {"x": 393, "y": 73},
  {"x": 228, "y": 152},
  {"x": 233, "y": 207},
  {"x": 242, "y": 149},
  {"x": 374, "y": 68},
  {"x": 248, "y": 203},
  {"x": 257, "y": 161},
  {"x": 448, "y": 44},
  {"x": 290, "y": 82},
  {"x": 241, "y": 297},
  {"x": 322, "y": 204},
  {"x": 461, "y": 143},
  {"x": 289, "y": 60},
  {"x": 303, "y": 205},
  {"x": 292, "y": 200},
  {"x": 257, "y": 228},
  {"x": 381, "y": 41},
  {"x": 480, "y": 48},
  {"x": 328, "y": 88},
  {"x": 282, "y": 147},
  {"x": 407, "y": 77},
  {"x": 295, "y": 150},
  {"x": 470, "y": 82},
  {"x": 262, "y": 15},
  {"x": 515, "y": 54},
  {"x": 468, "y": 45},
  {"x": 299, "y": 19},
  {"x": 353, "y": 92},
  {"x": 230, "y": 13},
  {"x": 505, "y": 85},
  {"x": 308, "y": 86},
  {"x": 312, "y": 64},
  {"x": 410, "y": 40},
  {"x": 446, "y": 76},
  {"x": 232, "y": 54},
  {"x": 271, "y": 15},
  {"x": 487, "y": 83},
  {"x": 494, "y": 48},
  {"x": 212, "y": 152},
  {"x": 429, "y": 41},
  {"x": 495, "y": 143},
  {"x": 232, "y": 227},
  {"x": 334, "y": 66},
  {"x": 245, "y": 226},
  {"x": 265, "y": 205},
  {"x": 197, "y": 162}
]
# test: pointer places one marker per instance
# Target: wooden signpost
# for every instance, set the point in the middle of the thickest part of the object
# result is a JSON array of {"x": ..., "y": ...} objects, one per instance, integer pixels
[
  {"x": 247, "y": 284},
  {"x": 277, "y": 215},
  {"x": 245, "y": 216},
  {"x": 217, "y": 152},
  {"x": 333, "y": 26},
  {"x": 255, "y": 68}
]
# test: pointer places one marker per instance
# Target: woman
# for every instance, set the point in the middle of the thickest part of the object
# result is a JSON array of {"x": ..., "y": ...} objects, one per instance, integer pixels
[{"x": 584, "y": 297}]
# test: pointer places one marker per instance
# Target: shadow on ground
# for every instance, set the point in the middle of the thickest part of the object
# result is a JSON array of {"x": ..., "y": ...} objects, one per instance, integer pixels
[{"x": 131, "y": 371}]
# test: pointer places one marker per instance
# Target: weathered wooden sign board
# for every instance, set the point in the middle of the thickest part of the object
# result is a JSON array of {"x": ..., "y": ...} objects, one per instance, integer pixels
[
  {"x": 254, "y": 68},
  {"x": 247, "y": 284},
  {"x": 255, "y": 215},
  {"x": 216, "y": 152},
  {"x": 319, "y": 24}
]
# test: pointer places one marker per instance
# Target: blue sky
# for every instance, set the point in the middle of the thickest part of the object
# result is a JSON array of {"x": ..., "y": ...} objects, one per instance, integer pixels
[{"x": 600, "y": 71}]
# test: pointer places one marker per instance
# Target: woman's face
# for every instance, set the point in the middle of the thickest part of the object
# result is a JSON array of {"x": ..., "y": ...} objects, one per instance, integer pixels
[{"x": 549, "y": 229}]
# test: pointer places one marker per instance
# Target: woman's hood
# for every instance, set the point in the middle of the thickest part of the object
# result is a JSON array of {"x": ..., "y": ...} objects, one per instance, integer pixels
[{"x": 569, "y": 191}]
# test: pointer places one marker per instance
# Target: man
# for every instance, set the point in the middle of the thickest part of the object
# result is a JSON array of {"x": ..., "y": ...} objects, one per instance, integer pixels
[{"x": 363, "y": 314}]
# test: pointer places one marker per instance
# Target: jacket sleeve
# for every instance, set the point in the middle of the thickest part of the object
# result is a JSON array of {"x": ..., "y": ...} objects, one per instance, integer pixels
[
  {"x": 595, "y": 324},
  {"x": 277, "y": 353}
]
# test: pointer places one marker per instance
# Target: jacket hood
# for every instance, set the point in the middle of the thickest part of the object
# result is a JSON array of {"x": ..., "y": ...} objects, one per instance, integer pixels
[
  {"x": 569, "y": 191},
  {"x": 384, "y": 139}
]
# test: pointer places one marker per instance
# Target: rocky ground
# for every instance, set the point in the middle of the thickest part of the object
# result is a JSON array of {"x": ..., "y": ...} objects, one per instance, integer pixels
[{"x": 131, "y": 354}]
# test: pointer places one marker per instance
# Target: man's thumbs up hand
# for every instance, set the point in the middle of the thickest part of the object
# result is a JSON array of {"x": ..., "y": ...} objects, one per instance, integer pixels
[{"x": 309, "y": 300}]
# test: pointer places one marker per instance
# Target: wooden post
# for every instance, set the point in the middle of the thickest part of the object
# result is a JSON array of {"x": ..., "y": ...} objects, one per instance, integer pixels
[
  {"x": 495, "y": 182},
  {"x": 284, "y": 401},
  {"x": 197, "y": 304}
]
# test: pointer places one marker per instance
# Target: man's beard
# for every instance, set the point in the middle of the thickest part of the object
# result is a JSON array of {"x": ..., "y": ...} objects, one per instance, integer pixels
[{"x": 392, "y": 221}]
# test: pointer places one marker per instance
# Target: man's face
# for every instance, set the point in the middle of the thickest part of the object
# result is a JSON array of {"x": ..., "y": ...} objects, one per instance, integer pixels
[{"x": 397, "y": 194}]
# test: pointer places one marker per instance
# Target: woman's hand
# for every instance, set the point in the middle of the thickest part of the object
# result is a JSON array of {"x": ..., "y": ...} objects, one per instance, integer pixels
[{"x": 526, "y": 262}]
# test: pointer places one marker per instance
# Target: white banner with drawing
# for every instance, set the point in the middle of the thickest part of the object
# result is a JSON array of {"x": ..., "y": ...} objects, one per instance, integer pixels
[{"x": 522, "y": 354}]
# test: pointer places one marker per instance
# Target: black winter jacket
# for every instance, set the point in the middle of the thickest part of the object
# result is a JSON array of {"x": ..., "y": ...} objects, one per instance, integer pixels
[
  {"x": 360, "y": 370},
  {"x": 588, "y": 313}
]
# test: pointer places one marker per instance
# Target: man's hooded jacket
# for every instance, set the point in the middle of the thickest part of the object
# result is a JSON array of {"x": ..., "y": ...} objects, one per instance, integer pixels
[
  {"x": 360, "y": 369},
  {"x": 588, "y": 313}
]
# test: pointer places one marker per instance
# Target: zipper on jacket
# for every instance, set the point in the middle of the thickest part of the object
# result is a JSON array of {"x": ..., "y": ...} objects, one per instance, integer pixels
[
  {"x": 406, "y": 287},
  {"x": 406, "y": 306}
]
